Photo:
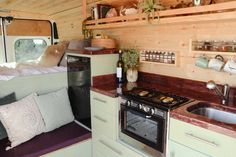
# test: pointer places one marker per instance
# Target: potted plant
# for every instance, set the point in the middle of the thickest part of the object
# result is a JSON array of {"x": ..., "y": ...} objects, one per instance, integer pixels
[
  {"x": 130, "y": 58},
  {"x": 150, "y": 7}
]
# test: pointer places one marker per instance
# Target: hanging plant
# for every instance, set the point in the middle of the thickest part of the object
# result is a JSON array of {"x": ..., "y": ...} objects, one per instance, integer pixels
[
  {"x": 86, "y": 32},
  {"x": 150, "y": 7}
]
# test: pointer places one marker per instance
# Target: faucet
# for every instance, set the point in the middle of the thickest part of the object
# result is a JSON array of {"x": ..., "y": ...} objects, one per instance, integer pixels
[{"x": 224, "y": 95}]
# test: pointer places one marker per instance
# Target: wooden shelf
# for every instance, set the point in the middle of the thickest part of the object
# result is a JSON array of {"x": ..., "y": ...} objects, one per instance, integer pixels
[
  {"x": 215, "y": 53},
  {"x": 157, "y": 63},
  {"x": 214, "y": 12},
  {"x": 148, "y": 58}
]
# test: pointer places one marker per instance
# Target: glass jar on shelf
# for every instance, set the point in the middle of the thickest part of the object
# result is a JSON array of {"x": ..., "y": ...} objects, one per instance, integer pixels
[
  {"x": 225, "y": 46},
  {"x": 173, "y": 58},
  {"x": 146, "y": 55},
  {"x": 230, "y": 46},
  {"x": 216, "y": 45},
  {"x": 208, "y": 45},
  {"x": 234, "y": 46},
  {"x": 197, "y": 45},
  {"x": 161, "y": 57}
]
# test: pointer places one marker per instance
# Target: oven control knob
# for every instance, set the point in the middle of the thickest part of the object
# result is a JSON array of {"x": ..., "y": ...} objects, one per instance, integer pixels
[
  {"x": 146, "y": 109},
  {"x": 140, "y": 106},
  {"x": 152, "y": 111},
  {"x": 128, "y": 103}
]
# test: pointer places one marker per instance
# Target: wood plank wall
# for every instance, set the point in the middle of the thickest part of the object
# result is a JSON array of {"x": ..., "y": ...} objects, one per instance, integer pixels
[
  {"x": 161, "y": 37},
  {"x": 69, "y": 24},
  {"x": 69, "y": 21},
  {"x": 29, "y": 28},
  {"x": 176, "y": 37}
]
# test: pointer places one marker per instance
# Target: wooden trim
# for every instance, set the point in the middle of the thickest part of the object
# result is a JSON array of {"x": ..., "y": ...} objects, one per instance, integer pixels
[
  {"x": 25, "y": 15},
  {"x": 215, "y": 53},
  {"x": 84, "y": 12}
]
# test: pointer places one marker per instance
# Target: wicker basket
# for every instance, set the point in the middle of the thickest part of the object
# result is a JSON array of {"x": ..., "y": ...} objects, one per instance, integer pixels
[{"x": 106, "y": 43}]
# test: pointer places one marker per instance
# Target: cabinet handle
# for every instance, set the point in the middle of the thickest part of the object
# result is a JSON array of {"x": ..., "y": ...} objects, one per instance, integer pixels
[
  {"x": 212, "y": 143},
  {"x": 110, "y": 147},
  {"x": 100, "y": 100},
  {"x": 100, "y": 119}
]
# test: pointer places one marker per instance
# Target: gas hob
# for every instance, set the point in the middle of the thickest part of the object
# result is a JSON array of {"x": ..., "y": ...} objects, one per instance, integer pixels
[{"x": 155, "y": 98}]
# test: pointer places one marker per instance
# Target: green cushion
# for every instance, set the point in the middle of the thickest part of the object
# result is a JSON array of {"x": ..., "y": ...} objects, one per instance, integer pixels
[
  {"x": 55, "y": 109},
  {"x": 6, "y": 100}
]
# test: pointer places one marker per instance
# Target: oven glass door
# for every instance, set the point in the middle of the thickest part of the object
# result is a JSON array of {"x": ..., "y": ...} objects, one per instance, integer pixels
[{"x": 143, "y": 127}]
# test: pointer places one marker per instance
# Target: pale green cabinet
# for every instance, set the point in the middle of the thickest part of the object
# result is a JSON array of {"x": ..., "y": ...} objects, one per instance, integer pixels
[
  {"x": 207, "y": 142},
  {"x": 81, "y": 149},
  {"x": 178, "y": 150},
  {"x": 100, "y": 64},
  {"x": 104, "y": 116}
]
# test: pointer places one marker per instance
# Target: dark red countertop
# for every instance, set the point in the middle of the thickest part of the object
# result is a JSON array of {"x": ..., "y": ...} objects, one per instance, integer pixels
[
  {"x": 183, "y": 87},
  {"x": 47, "y": 142},
  {"x": 182, "y": 113}
]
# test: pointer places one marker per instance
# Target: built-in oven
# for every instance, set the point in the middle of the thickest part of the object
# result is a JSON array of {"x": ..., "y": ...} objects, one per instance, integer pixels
[{"x": 143, "y": 127}]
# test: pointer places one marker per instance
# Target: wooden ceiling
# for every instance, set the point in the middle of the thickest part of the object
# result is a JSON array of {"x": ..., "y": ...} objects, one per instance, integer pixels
[
  {"x": 47, "y": 7},
  {"x": 51, "y": 7}
]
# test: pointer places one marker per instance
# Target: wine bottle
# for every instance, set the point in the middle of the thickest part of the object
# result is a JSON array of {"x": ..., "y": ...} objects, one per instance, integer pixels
[{"x": 120, "y": 69}]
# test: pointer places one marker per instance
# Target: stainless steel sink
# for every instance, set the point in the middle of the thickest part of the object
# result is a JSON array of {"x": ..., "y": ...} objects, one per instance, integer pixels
[{"x": 212, "y": 113}]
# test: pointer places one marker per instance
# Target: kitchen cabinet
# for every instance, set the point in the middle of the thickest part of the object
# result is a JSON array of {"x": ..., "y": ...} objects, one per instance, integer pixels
[
  {"x": 104, "y": 116},
  {"x": 100, "y": 64},
  {"x": 205, "y": 141},
  {"x": 178, "y": 150},
  {"x": 82, "y": 149}
]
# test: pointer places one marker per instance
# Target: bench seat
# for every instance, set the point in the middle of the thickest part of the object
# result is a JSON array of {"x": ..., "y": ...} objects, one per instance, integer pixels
[{"x": 67, "y": 135}]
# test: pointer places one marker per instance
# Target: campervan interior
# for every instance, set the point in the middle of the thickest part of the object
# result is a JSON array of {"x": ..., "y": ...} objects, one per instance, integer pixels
[{"x": 118, "y": 78}]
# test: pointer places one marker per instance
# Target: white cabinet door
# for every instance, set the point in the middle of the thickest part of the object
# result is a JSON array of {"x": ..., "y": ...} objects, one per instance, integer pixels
[
  {"x": 104, "y": 115},
  {"x": 178, "y": 150}
]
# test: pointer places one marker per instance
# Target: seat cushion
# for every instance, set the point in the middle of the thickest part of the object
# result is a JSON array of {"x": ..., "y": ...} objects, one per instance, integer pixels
[
  {"x": 6, "y": 100},
  {"x": 53, "y": 55},
  {"x": 55, "y": 109},
  {"x": 44, "y": 143},
  {"x": 22, "y": 120}
]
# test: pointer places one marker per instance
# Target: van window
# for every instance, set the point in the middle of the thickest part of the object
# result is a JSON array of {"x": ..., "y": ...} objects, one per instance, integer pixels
[{"x": 29, "y": 49}]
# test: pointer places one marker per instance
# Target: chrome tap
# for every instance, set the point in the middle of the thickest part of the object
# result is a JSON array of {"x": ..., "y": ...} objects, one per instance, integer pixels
[{"x": 224, "y": 95}]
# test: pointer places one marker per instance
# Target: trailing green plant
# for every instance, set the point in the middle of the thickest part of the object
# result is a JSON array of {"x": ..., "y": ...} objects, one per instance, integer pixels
[
  {"x": 86, "y": 32},
  {"x": 130, "y": 58},
  {"x": 150, "y": 7}
]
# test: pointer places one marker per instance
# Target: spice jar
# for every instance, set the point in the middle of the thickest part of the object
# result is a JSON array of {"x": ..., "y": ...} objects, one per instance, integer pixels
[{"x": 207, "y": 45}]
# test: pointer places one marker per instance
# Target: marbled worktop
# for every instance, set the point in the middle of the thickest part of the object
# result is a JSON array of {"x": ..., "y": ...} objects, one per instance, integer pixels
[
  {"x": 182, "y": 113},
  {"x": 188, "y": 88}
]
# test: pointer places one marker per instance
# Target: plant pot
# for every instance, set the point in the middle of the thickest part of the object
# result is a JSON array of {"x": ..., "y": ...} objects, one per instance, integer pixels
[{"x": 132, "y": 75}]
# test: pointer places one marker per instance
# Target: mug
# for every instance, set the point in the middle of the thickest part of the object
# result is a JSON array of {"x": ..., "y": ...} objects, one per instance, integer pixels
[
  {"x": 197, "y": 2},
  {"x": 202, "y": 62},
  {"x": 216, "y": 63},
  {"x": 230, "y": 66}
]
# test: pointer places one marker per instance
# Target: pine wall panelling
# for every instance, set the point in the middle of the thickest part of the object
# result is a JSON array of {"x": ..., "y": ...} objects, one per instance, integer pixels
[{"x": 176, "y": 37}]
